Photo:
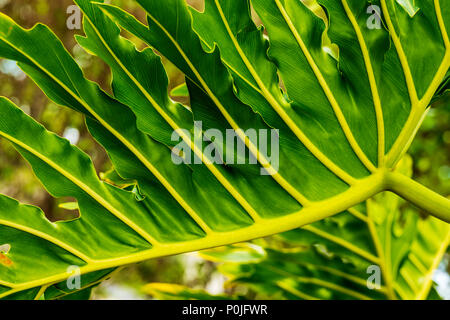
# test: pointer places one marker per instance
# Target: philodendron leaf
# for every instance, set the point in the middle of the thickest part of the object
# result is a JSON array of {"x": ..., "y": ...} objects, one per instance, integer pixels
[
  {"x": 374, "y": 251},
  {"x": 352, "y": 117},
  {"x": 340, "y": 127}
]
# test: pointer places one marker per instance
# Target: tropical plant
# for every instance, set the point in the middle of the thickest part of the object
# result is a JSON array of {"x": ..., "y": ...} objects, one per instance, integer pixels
[
  {"x": 326, "y": 260},
  {"x": 347, "y": 101}
]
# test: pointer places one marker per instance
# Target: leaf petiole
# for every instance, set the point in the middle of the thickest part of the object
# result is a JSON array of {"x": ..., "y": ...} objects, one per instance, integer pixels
[{"x": 419, "y": 195}]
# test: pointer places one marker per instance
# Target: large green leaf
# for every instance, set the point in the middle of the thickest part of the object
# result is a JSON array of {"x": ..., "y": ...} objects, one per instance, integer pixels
[
  {"x": 343, "y": 126},
  {"x": 371, "y": 84},
  {"x": 333, "y": 258}
]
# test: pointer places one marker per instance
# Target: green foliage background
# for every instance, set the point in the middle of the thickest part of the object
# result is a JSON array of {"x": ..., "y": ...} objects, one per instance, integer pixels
[{"x": 430, "y": 151}]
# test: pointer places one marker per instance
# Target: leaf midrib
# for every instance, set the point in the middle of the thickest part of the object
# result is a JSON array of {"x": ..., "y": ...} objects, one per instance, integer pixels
[
  {"x": 336, "y": 272},
  {"x": 366, "y": 188},
  {"x": 384, "y": 265},
  {"x": 373, "y": 83},
  {"x": 401, "y": 54},
  {"x": 418, "y": 107},
  {"x": 429, "y": 275},
  {"x": 343, "y": 243},
  {"x": 321, "y": 282},
  {"x": 47, "y": 237}
]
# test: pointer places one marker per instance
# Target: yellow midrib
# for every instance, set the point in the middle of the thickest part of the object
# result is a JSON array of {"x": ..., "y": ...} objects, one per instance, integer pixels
[
  {"x": 336, "y": 272},
  {"x": 358, "y": 214},
  {"x": 441, "y": 23},
  {"x": 386, "y": 273},
  {"x": 417, "y": 263},
  {"x": 295, "y": 292},
  {"x": 322, "y": 283},
  {"x": 365, "y": 189},
  {"x": 281, "y": 112},
  {"x": 428, "y": 281},
  {"x": 7, "y": 284},
  {"x": 402, "y": 56},
  {"x": 47, "y": 237},
  {"x": 109, "y": 275},
  {"x": 387, "y": 252},
  {"x": 418, "y": 107},
  {"x": 409, "y": 281},
  {"x": 343, "y": 243},
  {"x": 446, "y": 61},
  {"x": 334, "y": 287},
  {"x": 329, "y": 94},
  {"x": 416, "y": 116},
  {"x": 41, "y": 292},
  {"x": 373, "y": 84}
]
